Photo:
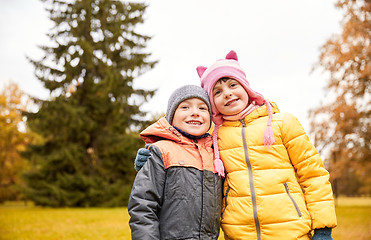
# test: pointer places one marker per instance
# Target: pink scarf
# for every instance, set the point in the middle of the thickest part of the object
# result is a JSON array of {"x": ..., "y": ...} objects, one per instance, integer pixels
[
  {"x": 249, "y": 109},
  {"x": 268, "y": 138}
]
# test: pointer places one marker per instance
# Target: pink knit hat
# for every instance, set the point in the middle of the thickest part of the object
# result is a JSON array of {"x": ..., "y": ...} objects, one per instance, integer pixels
[{"x": 229, "y": 67}]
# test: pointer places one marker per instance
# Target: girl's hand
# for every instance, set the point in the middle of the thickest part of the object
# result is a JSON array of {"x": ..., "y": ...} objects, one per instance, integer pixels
[
  {"x": 142, "y": 157},
  {"x": 322, "y": 234}
]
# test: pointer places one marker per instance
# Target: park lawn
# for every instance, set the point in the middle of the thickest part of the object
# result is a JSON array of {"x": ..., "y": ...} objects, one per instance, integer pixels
[
  {"x": 29, "y": 222},
  {"x": 354, "y": 219}
]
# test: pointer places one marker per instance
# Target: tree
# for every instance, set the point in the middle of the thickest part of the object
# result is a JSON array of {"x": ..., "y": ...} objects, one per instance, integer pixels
[
  {"x": 89, "y": 145},
  {"x": 342, "y": 126},
  {"x": 13, "y": 139}
]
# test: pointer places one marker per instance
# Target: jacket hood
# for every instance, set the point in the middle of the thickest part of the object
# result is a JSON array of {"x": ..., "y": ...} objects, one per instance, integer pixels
[{"x": 262, "y": 111}]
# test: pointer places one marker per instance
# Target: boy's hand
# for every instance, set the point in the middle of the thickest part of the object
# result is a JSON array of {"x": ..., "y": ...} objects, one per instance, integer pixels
[
  {"x": 142, "y": 157},
  {"x": 322, "y": 234}
]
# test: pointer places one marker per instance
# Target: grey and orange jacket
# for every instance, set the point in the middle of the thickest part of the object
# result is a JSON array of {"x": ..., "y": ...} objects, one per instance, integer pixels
[
  {"x": 177, "y": 194},
  {"x": 276, "y": 192}
]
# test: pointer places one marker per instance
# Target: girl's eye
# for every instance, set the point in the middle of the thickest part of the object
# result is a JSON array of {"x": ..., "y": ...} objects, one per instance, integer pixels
[{"x": 217, "y": 93}]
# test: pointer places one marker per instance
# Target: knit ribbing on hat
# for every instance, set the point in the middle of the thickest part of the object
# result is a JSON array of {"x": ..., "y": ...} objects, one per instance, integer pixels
[
  {"x": 230, "y": 68},
  {"x": 183, "y": 93}
]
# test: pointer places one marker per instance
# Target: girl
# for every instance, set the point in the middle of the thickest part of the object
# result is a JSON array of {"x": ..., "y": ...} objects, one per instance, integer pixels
[{"x": 276, "y": 186}]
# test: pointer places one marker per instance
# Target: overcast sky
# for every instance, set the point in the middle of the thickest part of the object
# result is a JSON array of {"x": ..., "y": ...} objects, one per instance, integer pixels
[{"x": 277, "y": 43}]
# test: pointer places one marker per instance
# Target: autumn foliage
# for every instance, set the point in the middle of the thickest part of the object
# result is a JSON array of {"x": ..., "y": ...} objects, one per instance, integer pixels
[
  {"x": 342, "y": 124},
  {"x": 14, "y": 138}
]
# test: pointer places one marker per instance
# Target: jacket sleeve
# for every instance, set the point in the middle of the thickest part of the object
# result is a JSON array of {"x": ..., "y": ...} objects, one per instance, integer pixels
[
  {"x": 311, "y": 173},
  {"x": 146, "y": 198}
]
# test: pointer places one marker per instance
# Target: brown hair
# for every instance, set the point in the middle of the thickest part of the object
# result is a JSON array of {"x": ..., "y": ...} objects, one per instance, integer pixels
[{"x": 223, "y": 79}]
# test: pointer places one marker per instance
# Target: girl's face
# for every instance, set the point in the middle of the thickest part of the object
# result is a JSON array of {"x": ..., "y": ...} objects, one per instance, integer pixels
[
  {"x": 230, "y": 98},
  {"x": 192, "y": 116}
]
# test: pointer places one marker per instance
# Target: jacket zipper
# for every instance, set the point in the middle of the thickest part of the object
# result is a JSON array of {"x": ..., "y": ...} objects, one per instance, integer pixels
[
  {"x": 202, "y": 191},
  {"x": 251, "y": 181},
  {"x": 292, "y": 199}
]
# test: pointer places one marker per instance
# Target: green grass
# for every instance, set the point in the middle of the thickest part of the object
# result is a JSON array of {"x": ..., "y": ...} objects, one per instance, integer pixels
[
  {"x": 21, "y": 222},
  {"x": 29, "y": 223},
  {"x": 354, "y": 219}
]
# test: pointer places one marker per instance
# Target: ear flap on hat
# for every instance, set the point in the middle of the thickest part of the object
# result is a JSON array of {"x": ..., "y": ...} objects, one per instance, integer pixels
[
  {"x": 232, "y": 55},
  {"x": 201, "y": 70}
]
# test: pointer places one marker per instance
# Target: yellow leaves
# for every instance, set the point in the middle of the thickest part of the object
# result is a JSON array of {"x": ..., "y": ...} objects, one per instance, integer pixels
[
  {"x": 12, "y": 103},
  {"x": 341, "y": 126},
  {"x": 13, "y": 137}
]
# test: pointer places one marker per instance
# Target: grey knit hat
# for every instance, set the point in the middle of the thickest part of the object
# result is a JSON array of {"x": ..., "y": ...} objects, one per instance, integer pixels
[{"x": 182, "y": 94}]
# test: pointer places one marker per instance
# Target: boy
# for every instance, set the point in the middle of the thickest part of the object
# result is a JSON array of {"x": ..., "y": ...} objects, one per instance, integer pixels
[{"x": 177, "y": 194}]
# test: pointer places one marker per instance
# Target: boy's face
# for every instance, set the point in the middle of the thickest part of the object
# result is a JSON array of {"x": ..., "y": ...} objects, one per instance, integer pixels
[
  {"x": 192, "y": 116},
  {"x": 230, "y": 98}
]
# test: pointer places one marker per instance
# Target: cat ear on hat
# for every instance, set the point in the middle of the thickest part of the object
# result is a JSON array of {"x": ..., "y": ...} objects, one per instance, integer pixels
[
  {"x": 201, "y": 70},
  {"x": 232, "y": 55}
]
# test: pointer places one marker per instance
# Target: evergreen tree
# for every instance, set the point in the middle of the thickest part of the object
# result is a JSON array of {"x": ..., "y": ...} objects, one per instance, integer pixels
[{"x": 86, "y": 158}]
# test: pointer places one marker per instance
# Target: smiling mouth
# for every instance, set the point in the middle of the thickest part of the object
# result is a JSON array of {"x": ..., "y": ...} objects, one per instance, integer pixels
[
  {"x": 231, "y": 102},
  {"x": 194, "y": 122}
]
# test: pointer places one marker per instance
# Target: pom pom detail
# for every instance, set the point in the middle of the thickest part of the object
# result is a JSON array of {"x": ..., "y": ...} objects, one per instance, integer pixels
[
  {"x": 268, "y": 136},
  {"x": 219, "y": 167}
]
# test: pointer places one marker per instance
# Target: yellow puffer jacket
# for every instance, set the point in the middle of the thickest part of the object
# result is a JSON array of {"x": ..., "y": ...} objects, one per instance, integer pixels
[{"x": 276, "y": 192}]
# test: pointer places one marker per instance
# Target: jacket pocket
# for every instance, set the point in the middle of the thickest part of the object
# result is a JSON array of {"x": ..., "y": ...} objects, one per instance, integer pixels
[
  {"x": 292, "y": 199},
  {"x": 225, "y": 199}
]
